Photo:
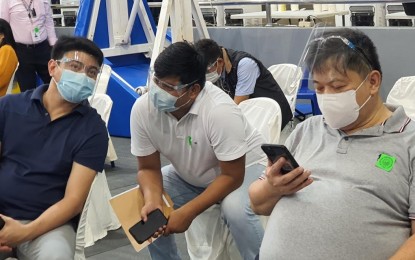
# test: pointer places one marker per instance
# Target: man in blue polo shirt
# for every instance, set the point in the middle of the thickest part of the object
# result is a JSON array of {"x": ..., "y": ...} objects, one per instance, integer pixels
[{"x": 52, "y": 145}]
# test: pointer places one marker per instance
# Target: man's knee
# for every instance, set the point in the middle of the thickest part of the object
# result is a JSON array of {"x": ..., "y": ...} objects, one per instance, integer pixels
[
  {"x": 234, "y": 208},
  {"x": 58, "y": 244},
  {"x": 51, "y": 253}
]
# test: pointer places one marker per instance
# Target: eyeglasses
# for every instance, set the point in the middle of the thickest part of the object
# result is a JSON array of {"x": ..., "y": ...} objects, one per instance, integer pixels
[
  {"x": 209, "y": 67},
  {"x": 78, "y": 66},
  {"x": 169, "y": 87}
]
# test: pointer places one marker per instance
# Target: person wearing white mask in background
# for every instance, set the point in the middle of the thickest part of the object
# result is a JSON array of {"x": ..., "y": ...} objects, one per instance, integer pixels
[
  {"x": 207, "y": 140},
  {"x": 241, "y": 76},
  {"x": 52, "y": 146},
  {"x": 354, "y": 195}
]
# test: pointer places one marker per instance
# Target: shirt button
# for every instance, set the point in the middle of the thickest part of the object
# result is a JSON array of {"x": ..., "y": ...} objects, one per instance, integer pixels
[{"x": 346, "y": 138}]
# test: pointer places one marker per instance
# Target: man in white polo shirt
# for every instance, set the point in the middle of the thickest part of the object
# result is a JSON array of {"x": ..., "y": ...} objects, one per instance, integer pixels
[{"x": 204, "y": 135}]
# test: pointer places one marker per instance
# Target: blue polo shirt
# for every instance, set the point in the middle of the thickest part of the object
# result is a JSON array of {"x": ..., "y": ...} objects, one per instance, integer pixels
[{"x": 37, "y": 153}]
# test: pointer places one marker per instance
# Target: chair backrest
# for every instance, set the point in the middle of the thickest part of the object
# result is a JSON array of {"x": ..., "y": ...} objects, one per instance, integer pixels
[
  {"x": 103, "y": 79},
  {"x": 288, "y": 76},
  {"x": 103, "y": 104},
  {"x": 80, "y": 232},
  {"x": 265, "y": 115},
  {"x": 403, "y": 93},
  {"x": 11, "y": 83}
]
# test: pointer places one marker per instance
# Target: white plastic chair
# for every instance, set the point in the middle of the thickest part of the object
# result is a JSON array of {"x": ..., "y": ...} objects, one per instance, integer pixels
[
  {"x": 103, "y": 79},
  {"x": 103, "y": 104},
  {"x": 288, "y": 76},
  {"x": 12, "y": 81},
  {"x": 265, "y": 115},
  {"x": 403, "y": 93},
  {"x": 97, "y": 217},
  {"x": 208, "y": 238}
]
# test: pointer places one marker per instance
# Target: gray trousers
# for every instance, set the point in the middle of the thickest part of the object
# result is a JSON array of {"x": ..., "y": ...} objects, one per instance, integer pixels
[{"x": 57, "y": 244}]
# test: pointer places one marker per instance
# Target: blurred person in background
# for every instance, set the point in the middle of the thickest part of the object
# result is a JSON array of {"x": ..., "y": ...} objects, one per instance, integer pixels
[
  {"x": 8, "y": 57},
  {"x": 34, "y": 32},
  {"x": 241, "y": 76}
]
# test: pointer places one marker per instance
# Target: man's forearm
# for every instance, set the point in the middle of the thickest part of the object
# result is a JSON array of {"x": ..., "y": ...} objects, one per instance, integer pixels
[
  {"x": 55, "y": 216},
  {"x": 151, "y": 184},
  {"x": 406, "y": 251}
]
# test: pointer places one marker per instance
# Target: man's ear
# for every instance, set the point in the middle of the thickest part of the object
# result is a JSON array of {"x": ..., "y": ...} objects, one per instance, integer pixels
[
  {"x": 194, "y": 90},
  {"x": 375, "y": 80},
  {"x": 52, "y": 64}
]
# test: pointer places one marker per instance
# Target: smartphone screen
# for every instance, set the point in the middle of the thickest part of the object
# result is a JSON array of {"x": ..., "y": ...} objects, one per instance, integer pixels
[
  {"x": 276, "y": 151},
  {"x": 142, "y": 231}
]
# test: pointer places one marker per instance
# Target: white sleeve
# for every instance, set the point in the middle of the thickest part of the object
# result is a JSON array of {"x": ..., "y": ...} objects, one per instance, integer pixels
[
  {"x": 248, "y": 72},
  {"x": 141, "y": 144},
  {"x": 227, "y": 132}
]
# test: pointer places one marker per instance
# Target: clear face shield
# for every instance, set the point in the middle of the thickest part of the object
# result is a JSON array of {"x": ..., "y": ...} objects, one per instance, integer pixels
[
  {"x": 101, "y": 78},
  {"x": 163, "y": 95},
  {"x": 327, "y": 49},
  {"x": 328, "y": 58}
]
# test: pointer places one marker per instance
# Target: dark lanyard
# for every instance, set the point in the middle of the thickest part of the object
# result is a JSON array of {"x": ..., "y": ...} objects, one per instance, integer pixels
[{"x": 31, "y": 12}]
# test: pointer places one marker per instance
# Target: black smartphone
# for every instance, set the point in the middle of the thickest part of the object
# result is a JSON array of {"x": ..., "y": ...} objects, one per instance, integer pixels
[
  {"x": 142, "y": 231},
  {"x": 2, "y": 223},
  {"x": 276, "y": 151}
]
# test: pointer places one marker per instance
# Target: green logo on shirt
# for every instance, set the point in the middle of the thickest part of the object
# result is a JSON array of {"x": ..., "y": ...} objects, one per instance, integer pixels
[
  {"x": 189, "y": 141},
  {"x": 385, "y": 162}
]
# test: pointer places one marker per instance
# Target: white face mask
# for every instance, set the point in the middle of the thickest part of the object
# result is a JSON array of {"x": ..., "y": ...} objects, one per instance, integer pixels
[
  {"x": 212, "y": 76},
  {"x": 340, "y": 109}
]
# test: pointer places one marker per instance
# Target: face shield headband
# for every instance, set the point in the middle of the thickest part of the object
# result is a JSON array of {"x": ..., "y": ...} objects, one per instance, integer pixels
[{"x": 333, "y": 48}]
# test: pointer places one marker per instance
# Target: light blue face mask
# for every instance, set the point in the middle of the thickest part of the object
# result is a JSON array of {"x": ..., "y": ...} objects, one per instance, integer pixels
[
  {"x": 75, "y": 87},
  {"x": 163, "y": 100}
]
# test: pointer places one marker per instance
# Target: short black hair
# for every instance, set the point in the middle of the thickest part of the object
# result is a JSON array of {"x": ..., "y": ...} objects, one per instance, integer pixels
[
  {"x": 181, "y": 60},
  {"x": 66, "y": 44},
  {"x": 8, "y": 34},
  {"x": 359, "y": 56},
  {"x": 209, "y": 49}
]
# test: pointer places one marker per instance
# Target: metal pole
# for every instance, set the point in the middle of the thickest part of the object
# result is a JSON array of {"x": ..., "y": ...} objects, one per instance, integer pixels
[{"x": 268, "y": 15}]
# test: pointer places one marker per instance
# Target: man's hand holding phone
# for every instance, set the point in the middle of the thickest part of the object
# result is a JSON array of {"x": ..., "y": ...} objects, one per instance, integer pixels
[
  {"x": 288, "y": 183},
  {"x": 148, "y": 208},
  {"x": 179, "y": 220},
  {"x": 283, "y": 173},
  {"x": 152, "y": 226}
]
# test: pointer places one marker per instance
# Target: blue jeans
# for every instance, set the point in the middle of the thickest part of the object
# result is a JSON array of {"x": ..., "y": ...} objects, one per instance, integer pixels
[{"x": 243, "y": 224}]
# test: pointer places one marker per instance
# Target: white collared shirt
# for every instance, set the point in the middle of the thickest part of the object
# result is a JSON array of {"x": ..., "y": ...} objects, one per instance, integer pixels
[{"x": 213, "y": 130}]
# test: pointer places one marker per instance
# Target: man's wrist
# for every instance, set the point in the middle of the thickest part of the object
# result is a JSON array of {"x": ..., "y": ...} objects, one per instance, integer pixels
[
  {"x": 272, "y": 190},
  {"x": 30, "y": 231}
]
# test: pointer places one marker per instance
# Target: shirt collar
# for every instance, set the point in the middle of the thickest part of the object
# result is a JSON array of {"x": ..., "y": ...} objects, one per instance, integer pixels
[
  {"x": 394, "y": 124},
  {"x": 38, "y": 92},
  {"x": 194, "y": 109},
  {"x": 398, "y": 121}
]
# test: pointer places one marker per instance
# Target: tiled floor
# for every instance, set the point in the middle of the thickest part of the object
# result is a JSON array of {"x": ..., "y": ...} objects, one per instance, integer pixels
[{"x": 123, "y": 177}]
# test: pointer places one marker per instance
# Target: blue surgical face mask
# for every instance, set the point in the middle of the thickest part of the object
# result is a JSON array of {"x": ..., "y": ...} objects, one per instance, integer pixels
[
  {"x": 75, "y": 87},
  {"x": 163, "y": 100}
]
